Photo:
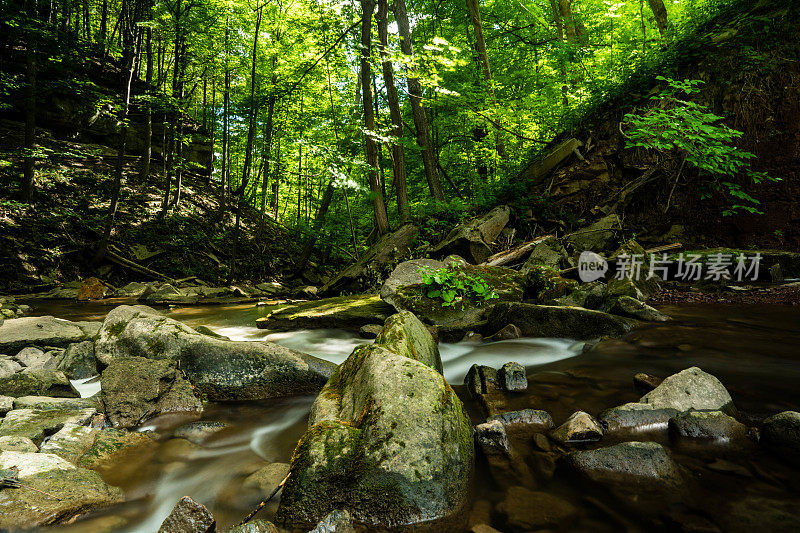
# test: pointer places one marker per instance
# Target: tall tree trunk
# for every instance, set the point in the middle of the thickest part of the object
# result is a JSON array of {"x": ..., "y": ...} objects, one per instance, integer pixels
[
  {"x": 225, "y": 123},
  {"x": 179, "y": 125},
  {"x": 29, "y": 163},
  {"x": 574, "y": 30},
  {"x": 480, "y": 48},
  {"x": 398, "y": 150},
  {"x": 378, "y": 205},
  {"x": 415, "y": 95},
  {"x": 660, "y": 13},
  {"x": 248, "y": 152},
  {"x": 212, "y": 128},
  {"x": 128, "y": 60},
  {"x": 148, "y": 149},
  {"x": 268, "y": 137}
]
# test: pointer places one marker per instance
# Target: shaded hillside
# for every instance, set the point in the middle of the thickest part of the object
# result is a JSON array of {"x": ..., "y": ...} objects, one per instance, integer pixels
[{"x": 749, "y": 59}]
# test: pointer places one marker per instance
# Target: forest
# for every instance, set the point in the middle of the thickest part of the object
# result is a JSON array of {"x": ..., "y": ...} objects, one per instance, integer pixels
[{"x": 395, "y": 265}]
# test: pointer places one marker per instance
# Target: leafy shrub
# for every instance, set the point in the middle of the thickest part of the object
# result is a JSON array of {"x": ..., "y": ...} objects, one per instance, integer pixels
[
  {"x": 453, "y": 285},
  {"x": 691, "y": 130}
]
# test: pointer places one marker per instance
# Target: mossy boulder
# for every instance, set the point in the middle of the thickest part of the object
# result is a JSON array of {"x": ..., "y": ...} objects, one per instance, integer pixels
[
  {"x": 71, "y": 442},
  {"x": 66, "y": 491},
  {"x": 36, "y": 424},
  {"x": 630, "y": 281},
  {"x": 405, "y": 335},
  {"x": 136, "y": 389},
  {"x": 552, "y": 321},
  {"x": 388, "y": 440},
  {"x": 341, "y": 312},
  {"x": 548, "y": 253},
  {"x": 78, "y": 361},
  {"x": 547, "y": 284},
  {"x": 221, "y": 369},
  {"x": 38, "y": 382},
  {"x": 16, "y": 334}
]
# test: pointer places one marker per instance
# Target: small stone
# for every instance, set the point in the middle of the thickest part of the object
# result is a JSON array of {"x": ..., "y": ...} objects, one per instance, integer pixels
[
  {"x": 727, "y": 467},
  {"x": 636, "y": 417},
  {"x": 188, "y": 516},
  {"x": 579, "y": 428},
  {"x": 6, "y": 404},
  {"x": 512, "y": 377},
  {"x": 526, "y": 510},
  {"x": 509, "y": 332},
  {"x": 92, "y": 289},
  {"x": 542, "y": 442},
  {"x": 480, "y": 380},
  {"x": 199, "y": 431},
  {"x": 17, "y": 444},
  {"x": 646, "y": 382},
  {"x": 335, "y": 522},
  {"x": 491, "y": 438},
  {"x": 532, "y": 419},
  {"x": 370, "y": 331}
]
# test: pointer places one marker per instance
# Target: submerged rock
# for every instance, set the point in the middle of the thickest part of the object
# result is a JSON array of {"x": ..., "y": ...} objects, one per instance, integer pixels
[
  {"x": 66, "y": 491},
  {"x": 525, "y": 510},
  {"x": 388, "y": 440},
  {"x": 220, "y": 369},
  {"x": 781, "y": 434},
  {"x": 690, "y": 389},
  {"x": 199, "y": 431},
  {"x": 136, "y": 389},
  {"x": 340, "y": 312},
  {"x": 553, "y": 321},
  {"x": 268, "y": 478},
  {"x": 709, "y": 425},
  {"x": 188, "y": 516},
  {"x": 579, "y": 428},
  {"x": 636, "y": 417},
  {"x": 112, "y": 446}
]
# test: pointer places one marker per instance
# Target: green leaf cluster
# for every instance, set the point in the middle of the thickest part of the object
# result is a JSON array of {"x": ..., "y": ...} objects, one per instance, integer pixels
[{"x": 452, "y": 285}]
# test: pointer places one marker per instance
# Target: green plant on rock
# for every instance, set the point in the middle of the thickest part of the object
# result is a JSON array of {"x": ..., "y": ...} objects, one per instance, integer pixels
[
  {"x": 452, "y": 285},
  {"x": 679, "y": 125}
]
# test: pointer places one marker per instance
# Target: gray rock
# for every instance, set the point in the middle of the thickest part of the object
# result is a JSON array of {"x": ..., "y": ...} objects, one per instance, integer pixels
[
  {"x": 255, "y": 526},
  {"x": 32, "y": 358},
  {"x": 10, "y": 443},
  {"x": 599, "y": 237},
  {"x": 481, "y": 380},
  {"x": 507, "y": 333},
  {"x": 781, "y": 434},
  {"x": 78, "y": 361},
  {"x": 36, "y": 425},
  {"x": 40, "y": 331},
  {"x": 44, "y": 403},
  {"x": 709, "y": 425},
  {"x": 639, "y": 287},
  {"x": 199, "y": 431},
  {"x": 70, "y": 442},
  {"x": 38, "y": 382},
  {"x": 644, "y": 465},
  {"x": 188, "y": 516},
  {"x": 690, "y": 389},
  {"x": 548, "y": 253},
  {"x": 340, "y": 312},
  {"x": 579, "y": 428},
  {"x": 388, "y": 440},
  {"x": 471, "y": 239},
  {"x": 336, "y": 522},
  {"x": 8, "y": 367},
  {"x": 405, "y": 335},
  {"x": 636, "y": 417},
  {"x": 631, "y": 307},
  {"x": 222, "y": 370},
  {"x": 133, "y": 289},
  {"x": 512, "y": 377},
  {"x": 590, "y": 295},
  {"x": 136, "y": 389},
  {"x": 6, "y": 404},
  {"x": 553, "y": 321},
  {"x": 370, "y": 331},
  {"x": 525, "y": 510},
  {"x": 491, "y": 438},
  {"x": 531, "y": 419}
]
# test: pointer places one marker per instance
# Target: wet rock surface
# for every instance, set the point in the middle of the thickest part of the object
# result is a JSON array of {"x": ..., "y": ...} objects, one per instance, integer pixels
[
  {"x": 553, "y": 321},
  {"x": 512, "y": 377},
  {"x": 188, "y": 515},
  {"x": 579, "y": 428},
  {"x": 781, "y": 433},
  {"x": 343, "y": 312},
  {"x": 690, "y": 389}
]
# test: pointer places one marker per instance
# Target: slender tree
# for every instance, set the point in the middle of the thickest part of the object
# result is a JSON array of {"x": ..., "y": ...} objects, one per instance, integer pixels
[
  {"x": 660, "y": 13},
  {"x": 29, "y": 162}
]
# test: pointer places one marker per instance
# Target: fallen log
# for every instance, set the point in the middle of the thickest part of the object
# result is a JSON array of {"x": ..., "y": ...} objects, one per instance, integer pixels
[
  {"x": 513, "y": 254},
  {"x": 114, "y": 257}
]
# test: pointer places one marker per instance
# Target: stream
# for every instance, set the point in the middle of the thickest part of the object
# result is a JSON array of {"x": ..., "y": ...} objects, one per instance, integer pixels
[{"x": 753, "y": 350}]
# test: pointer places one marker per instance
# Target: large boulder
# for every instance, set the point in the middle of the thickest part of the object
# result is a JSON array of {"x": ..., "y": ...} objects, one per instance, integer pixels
[
  {"x": 372, "y": 267},
  {"x": 38, "y": 382},
  {"x": 506, "y": 284},
  {"x": 221, "y": 369},
  {"x": 599, "y": 237},
  {"x": 340, "y": 312},
  {"x": 18, "y": 333},
  {"x": 388, "y": 440},
  {"x": 553, "y": 321},
  {"x": 405, "y": 335},
  {"x": 690, "y": 389},
  {"x": 471, "y": 239},
  {"x": 53, "y": 491},
  {"x": 136, "y": 389},
  {"x": 113, "y": 447}
]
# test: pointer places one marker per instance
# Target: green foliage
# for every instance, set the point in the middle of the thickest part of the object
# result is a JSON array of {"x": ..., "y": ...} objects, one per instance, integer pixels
[
  {"x": 679, "y": 125},
  {"x": 453, "y": 285}
]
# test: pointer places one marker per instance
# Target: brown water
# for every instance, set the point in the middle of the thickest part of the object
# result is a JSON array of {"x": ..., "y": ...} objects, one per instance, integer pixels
[{"x": 754, "y": 351}]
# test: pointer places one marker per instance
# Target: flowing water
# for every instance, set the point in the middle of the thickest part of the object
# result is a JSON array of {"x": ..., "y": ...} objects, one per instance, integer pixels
[{"x": 754, "y": 351}]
